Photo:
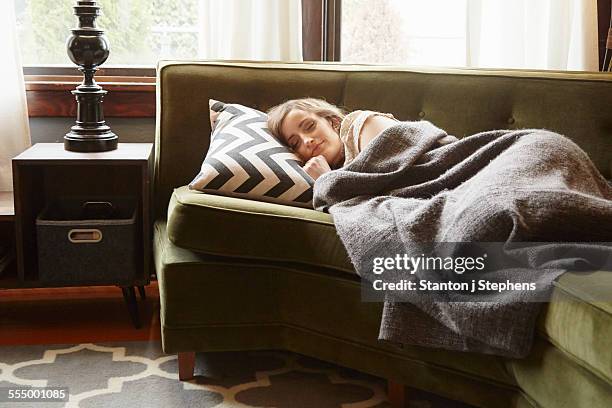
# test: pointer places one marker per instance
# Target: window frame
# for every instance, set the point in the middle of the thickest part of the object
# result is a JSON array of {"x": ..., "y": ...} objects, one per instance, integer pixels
[{"x": 321, "y": 23}]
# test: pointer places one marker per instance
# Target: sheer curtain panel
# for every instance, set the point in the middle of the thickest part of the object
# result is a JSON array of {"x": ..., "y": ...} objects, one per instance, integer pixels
[
  {"x": 543, "y": 34},
  {"x": 14, "y": 128},
  {"x": 251, "y": 29}
]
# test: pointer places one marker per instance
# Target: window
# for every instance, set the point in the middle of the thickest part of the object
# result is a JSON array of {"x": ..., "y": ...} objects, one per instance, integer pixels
[
  {"x": 139, "y": 31},
  {"x": 414, "y": 32},
  {"x": 520, "y": 34}
]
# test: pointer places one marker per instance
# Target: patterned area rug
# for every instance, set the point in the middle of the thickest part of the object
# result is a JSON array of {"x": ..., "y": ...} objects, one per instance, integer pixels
[{"x": 139, "y": 374}]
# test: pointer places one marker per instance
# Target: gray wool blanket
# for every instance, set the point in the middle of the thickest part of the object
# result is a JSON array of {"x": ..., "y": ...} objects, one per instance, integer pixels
[{"x": 533, "y": 192}]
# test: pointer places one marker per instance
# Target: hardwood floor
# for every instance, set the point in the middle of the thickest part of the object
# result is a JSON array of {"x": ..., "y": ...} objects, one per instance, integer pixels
[{"x": 75, "y": 315}]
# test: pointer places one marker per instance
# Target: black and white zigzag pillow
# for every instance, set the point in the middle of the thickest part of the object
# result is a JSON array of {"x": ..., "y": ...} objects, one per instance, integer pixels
[{"x": 244, "y": 160}]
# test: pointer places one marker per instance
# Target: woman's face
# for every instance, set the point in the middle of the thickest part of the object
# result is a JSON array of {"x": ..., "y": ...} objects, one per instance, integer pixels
[{"x": 310, "y": 135}]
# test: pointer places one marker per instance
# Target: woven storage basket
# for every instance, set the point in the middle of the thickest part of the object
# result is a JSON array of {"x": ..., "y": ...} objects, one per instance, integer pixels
[{"x": 87, "y": 241}]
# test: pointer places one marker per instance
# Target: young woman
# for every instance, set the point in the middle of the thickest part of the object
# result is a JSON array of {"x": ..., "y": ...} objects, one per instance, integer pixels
[{"x": 322, "y": 135}]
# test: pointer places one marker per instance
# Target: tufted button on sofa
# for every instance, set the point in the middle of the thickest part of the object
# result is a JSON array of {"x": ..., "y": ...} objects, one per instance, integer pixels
[{"x": 245, "y": 275}]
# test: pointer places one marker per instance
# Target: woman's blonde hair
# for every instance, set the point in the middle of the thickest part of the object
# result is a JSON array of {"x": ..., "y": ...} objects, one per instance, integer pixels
[{"x": 319, "y": 107}]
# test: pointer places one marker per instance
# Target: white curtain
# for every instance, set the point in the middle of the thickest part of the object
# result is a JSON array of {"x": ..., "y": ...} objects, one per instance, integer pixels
[
  {"x": 543, "y": 34},
  {"x": 251, "y": 29},
  {"x": 14, "y": 128}
]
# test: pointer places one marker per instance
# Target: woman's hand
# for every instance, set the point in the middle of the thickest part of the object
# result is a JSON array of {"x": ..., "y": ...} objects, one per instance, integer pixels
[{"x": 316, "y": 167}]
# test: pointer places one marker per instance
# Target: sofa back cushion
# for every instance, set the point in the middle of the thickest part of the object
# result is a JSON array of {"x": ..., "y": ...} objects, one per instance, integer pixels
[{"x": 462, "y": 102}]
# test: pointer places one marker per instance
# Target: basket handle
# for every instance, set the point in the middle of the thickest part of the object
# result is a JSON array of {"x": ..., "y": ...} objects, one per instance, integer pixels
[{"x": 84, "y": 236}]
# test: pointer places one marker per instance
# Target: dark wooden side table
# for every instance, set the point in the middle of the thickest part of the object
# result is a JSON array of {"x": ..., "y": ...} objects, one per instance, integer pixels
[{"x": 46, "y": 173}]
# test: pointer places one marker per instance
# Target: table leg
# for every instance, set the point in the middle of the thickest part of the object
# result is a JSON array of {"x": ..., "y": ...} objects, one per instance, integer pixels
[
  {"x": 143, "y": 294},
  {"x": 129, "y": 295}
]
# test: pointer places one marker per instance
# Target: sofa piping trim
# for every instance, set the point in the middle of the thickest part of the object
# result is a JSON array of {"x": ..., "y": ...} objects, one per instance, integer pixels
[
  {"x": 365, "y": 68},
  {"x": 271, "y": 260},
  {"x": 345, "y": 275},
  {"x": 222, "y": 209},
  {"x": 576, "y": 296}
]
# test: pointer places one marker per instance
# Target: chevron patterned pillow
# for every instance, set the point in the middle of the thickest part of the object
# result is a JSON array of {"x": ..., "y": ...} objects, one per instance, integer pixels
[{"x": 244, "y": 160}]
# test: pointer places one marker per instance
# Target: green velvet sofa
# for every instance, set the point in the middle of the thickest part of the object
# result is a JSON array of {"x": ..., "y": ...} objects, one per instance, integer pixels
[{"x": 245, "y": 275}]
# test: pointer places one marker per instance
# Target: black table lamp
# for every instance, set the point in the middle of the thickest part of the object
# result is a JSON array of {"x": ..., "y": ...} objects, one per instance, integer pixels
[{"x": 88, "y": 48}]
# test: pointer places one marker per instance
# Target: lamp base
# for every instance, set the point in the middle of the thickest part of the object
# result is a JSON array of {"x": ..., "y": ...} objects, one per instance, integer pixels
[{"x": 89, "y": 144}]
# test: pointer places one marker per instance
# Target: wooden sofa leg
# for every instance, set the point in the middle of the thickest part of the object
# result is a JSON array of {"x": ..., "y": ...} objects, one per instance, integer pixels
[
  {"x": 396, "y": 394},
  {"x": 186, "y": 363}
]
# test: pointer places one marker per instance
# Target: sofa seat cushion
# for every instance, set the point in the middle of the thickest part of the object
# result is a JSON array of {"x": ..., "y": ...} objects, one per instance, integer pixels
[
  {"x": 578, "y": 320},
  {"x": 235, "y": 227}
]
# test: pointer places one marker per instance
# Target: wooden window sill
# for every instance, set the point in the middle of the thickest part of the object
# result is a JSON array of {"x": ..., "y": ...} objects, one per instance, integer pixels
[{"x": 128, "y": 96}]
